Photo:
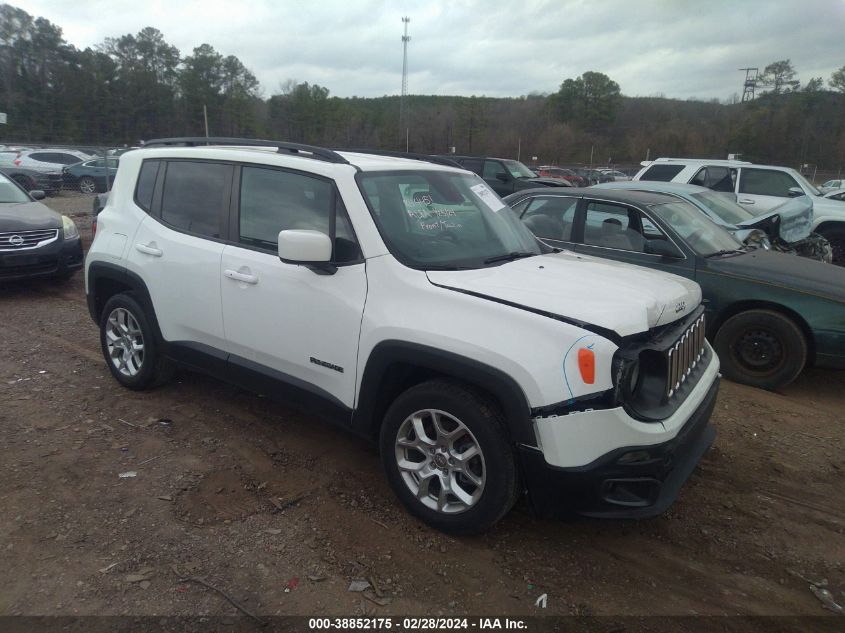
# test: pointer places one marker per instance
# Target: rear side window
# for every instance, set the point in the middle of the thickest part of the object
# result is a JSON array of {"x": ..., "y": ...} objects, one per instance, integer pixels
[
  {"x": 196, "y": 197},
  {"x": 65, "y": 159},
  {"x": 766, "y": 182},
  {"x": 43, "y": 157},
  {"x": 662, "y": 173},
  {"x": 146, "y": 183},
  {"x": 716, "y": 178}
]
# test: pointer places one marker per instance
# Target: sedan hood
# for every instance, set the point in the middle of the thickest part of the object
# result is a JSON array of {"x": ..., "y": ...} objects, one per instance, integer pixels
[
  {"x": 27, "y": 216},
  {"x": 785, "y": 271},
  {"x": 792, "y": 221},
  {"x": 615, "y": 296}
]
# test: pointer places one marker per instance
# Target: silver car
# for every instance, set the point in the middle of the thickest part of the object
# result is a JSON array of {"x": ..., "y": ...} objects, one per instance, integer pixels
[
  {"x": 42, "y": 160},
  {"x": 787, "y": 227}
]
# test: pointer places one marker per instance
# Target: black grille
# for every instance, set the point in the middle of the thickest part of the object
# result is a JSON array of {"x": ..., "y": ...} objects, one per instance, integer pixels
[
  {"x": 684, "y": 355},
  {"x": 13, "y": 241}
]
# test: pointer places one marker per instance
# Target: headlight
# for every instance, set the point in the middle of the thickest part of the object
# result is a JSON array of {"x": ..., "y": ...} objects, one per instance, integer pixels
[
  {"x": 758, "y": 239},
  {"x": 69, "y": 228}
]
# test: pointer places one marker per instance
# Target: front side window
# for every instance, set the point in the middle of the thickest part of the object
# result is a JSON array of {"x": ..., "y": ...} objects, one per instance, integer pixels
[
  {"x": 551, "y": 217},
  {"x": 492, "y": 168},
  {"x": 274, "y": 200},
  {"x": 766, "y": 182},
  {"x": 613, "y": 226},
  {"x": 437, "y": 219},
  {"x": 195, "y": 197}
]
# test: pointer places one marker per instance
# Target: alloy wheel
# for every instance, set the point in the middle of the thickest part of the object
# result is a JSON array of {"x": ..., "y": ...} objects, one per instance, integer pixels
[
  {"x": 440, "y": 461},
  {"x": 124, "y": 342},
  {"x": 87, "y": 185}
]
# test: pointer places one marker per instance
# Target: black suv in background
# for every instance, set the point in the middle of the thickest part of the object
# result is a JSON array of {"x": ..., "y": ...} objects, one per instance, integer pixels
[{"x": 505, "y": 176}]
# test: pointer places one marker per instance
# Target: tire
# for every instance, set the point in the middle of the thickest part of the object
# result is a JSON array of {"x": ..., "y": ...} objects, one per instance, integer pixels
[
  {"x": 87, "y": 185},
  {"x": 761, "y": 348},
  {"x": 123, "y": 322},
  {"x": 488, "y": 481},
  {"x": 836, "y": 236}
]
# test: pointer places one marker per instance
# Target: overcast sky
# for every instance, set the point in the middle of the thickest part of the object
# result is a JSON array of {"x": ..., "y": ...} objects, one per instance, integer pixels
[{"x": 678, "y": 48}]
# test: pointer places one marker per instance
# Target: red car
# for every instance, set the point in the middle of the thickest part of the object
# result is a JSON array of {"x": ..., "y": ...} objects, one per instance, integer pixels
[{"x": 550, "y": 171}]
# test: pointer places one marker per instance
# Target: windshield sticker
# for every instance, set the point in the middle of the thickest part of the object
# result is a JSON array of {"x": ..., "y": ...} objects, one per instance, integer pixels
[{"x": 487, "y": 196}]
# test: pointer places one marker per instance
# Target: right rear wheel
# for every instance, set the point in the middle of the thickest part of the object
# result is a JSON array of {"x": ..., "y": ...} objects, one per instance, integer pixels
[
  {"x": 129, "y": 345},
  {"x": 87, "y": 185}
]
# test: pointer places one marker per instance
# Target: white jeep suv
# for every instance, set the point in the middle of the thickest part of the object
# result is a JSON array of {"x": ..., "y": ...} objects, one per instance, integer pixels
[
  {"x": 758, "y": 188},
  {"x": 402, "y": 299}
]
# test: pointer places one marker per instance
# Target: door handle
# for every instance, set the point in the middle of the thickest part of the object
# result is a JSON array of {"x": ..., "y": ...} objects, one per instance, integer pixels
[
  {"x": 745, "y": 201},
  {"x": 238, "y": 276},
  {"x": 149, "y": 250}
]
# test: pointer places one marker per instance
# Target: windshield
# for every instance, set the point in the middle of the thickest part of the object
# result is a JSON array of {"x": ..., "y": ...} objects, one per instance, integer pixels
[
  {"x": 436, "y": 220},
  {"x": 808, "y": 186},
  {"x": 722, "y": 207},
  {"x": 10, "y": 192},
  {"x": 699, "y": 232},
  {"x": 518, "y": 170}
]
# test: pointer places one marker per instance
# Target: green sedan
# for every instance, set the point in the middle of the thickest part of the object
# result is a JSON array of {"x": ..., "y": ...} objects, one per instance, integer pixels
[{"x": 769, "y": 314}]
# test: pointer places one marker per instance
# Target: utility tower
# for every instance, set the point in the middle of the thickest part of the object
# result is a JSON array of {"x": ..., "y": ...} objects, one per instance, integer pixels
[
  {"x": 751, "y": 77},
  {"x": 403, "y": 124}
]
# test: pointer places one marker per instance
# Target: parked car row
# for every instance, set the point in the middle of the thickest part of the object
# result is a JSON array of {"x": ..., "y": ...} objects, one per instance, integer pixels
[{"x": 52, "y": 170}]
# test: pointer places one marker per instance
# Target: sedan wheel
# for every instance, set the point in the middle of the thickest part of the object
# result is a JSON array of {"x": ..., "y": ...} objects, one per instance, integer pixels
[{"x": 87, "y": 185}]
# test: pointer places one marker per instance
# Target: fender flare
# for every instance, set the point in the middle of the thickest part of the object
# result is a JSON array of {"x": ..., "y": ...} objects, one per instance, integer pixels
[
  {"x": 100, "y": 271},
  {"x": 370, "y": 407}
]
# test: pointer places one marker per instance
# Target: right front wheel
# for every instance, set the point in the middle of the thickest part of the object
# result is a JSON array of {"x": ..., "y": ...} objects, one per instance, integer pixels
[
  {"x": 761, "y": 348},
  {"x": 87, "y": 185},
  {"x": 448, "y": 458}
]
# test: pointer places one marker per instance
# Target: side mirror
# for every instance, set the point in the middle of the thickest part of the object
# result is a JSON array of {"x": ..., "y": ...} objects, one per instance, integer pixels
[
  {"x": 306, "y": 247},
  {"x": 37, "y": 194},
  {"x": 504, "y": 177},
  {"x": 663, "y": 248},
  {"x": 795, "y": 192}
]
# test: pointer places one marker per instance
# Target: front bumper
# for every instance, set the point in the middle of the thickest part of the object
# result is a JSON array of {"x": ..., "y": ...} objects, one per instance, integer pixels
[
  {"x": 56, "y": 259},
  {"x": 637, "y": 474}
]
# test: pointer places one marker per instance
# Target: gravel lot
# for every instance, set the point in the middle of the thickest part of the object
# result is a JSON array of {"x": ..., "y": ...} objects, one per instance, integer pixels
[{"x": 283, "y": 511}]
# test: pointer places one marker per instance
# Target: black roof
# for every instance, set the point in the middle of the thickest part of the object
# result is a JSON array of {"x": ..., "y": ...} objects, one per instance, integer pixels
[{"x": 613, "y": 195}]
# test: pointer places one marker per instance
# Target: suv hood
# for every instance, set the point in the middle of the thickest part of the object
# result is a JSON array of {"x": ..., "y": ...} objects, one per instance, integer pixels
[
  {"x": 615, "y": 296},
  {"x": 792, "y": 220},
  {"x": 27, "y": 216}
]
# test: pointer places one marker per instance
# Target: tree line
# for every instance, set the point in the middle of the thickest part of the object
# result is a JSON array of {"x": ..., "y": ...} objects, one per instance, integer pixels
[{"x": 135, "y": 87}]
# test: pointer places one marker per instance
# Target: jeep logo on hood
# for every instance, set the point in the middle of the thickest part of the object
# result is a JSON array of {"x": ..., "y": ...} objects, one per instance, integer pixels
[{"x": 680, "y": 306}]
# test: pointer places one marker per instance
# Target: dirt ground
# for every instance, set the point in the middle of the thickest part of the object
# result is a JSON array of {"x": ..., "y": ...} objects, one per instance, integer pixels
[{"x": 282, "y": 511}]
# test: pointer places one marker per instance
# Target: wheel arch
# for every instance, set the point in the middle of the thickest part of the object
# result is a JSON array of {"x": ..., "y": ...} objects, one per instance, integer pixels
[
  {"x": 743, "y": 306},
  {"x": 394, "y": 366},
  {"x": 106, "y": 280}
]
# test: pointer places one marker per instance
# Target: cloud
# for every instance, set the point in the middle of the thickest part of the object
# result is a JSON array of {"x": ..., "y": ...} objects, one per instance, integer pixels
[{"x": 495, "y": 48}]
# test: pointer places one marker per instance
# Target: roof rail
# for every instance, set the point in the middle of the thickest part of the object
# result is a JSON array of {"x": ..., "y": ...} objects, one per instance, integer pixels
[
  {"x": 282, "y": 147},
  {"x": 438, "y": 160}
]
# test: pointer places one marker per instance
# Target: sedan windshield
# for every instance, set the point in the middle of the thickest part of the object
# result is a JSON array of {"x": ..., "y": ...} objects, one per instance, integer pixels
[
  {"x": 11, "y": 193},
  {"x": 722, "y": 207},
  {"x": 699, "y": 232},
  {"x": 444, "y": 220},
  {"x": 518, "y": 170}
]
